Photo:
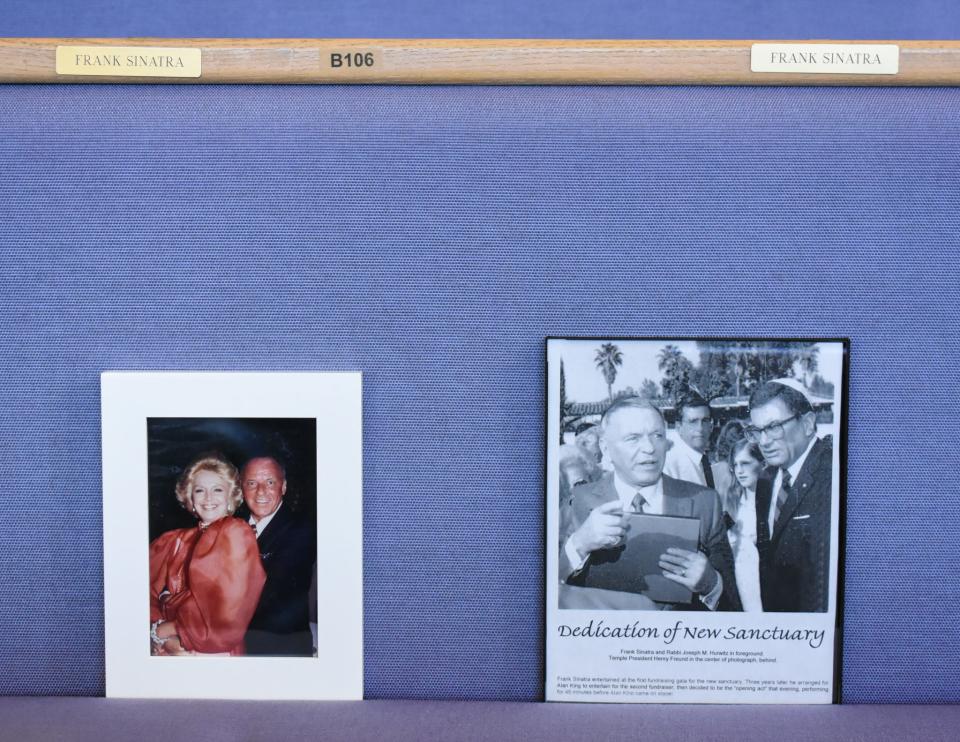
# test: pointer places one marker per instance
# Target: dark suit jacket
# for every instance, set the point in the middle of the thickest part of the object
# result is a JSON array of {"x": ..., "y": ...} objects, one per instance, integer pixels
[
  {"x": 679, "y": 498},
  {"x": 280, "y": 625},
  {"x": 795, "y": 558}
]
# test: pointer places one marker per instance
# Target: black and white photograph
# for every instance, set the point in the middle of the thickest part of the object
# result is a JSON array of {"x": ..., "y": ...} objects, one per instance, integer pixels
[
  {"x": 695, "y": 484},
  {"x": 216, "y": 490}
]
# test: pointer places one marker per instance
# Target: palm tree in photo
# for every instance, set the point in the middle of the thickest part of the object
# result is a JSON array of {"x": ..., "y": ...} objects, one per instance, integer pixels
[
  {"x": 649, "y": 389},
  {"x": 668, "y": 357},
  {"x": 676, "y": 371},
  {"x": 608, "y": 357},
  {"x": 807, "y": 360},
  {"x": 741, "y": 365}
]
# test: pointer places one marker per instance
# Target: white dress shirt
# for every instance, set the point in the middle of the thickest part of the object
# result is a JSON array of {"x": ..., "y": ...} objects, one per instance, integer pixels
[
  {"x": 652, "y": 495},
  {"x": 683, "y": 462},
  {"x": 264, "y": 521}
]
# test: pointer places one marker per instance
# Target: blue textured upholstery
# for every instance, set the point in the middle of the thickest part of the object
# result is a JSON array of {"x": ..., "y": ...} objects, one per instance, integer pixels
[
  {"x": 600, "y": 19},
  {"x": 432, "y": 237}
]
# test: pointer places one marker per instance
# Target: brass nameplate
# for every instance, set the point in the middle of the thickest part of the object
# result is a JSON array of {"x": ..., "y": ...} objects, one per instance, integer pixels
[{"x": 128, "y": 61}]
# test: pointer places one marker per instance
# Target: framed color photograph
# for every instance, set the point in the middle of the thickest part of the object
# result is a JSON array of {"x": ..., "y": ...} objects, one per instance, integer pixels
[
  {"x": 224, "y": 493},
  {"x": 694, "y": 519}
]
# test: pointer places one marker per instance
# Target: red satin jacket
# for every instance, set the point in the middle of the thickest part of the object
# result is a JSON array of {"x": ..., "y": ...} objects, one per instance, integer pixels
[{"x": 208, "y": 581}]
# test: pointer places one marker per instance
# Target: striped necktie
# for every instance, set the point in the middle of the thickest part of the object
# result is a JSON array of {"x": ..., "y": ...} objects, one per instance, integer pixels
[{"x": 782, "y": 496}]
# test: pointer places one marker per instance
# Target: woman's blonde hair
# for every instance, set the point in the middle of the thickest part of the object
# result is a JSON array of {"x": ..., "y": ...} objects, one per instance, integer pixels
[{"x": 218, "y": 464}]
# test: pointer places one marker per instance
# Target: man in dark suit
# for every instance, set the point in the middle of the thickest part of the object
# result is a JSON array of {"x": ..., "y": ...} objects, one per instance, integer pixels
[
  {"x": 793, "y": 501},
  {"x": 633, "y": 438},
  {"x": 280, "y": 625}
]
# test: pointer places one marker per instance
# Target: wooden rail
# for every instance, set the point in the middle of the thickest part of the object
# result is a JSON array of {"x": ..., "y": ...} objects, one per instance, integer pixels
[{"x": 487, "y": 61}]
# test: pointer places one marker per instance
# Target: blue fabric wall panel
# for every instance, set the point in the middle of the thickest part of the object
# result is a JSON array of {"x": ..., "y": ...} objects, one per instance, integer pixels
[
  {"x": 601, "y": 19},
  {"x": 432, "y": 237}
]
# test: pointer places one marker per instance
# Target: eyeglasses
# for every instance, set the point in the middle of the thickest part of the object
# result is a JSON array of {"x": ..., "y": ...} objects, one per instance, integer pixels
[{"x": 774, "y": 431}]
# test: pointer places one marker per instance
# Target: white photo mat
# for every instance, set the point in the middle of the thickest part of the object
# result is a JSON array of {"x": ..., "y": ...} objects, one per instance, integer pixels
[{"x": 334, "y": 399}]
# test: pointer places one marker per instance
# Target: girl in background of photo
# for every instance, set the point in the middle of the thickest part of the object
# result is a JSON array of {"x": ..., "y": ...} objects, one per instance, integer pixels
[
  {"x": 740, "y": 506},
  {"x": 205, "y": 581},
  {"x": 731, "y": 432}
]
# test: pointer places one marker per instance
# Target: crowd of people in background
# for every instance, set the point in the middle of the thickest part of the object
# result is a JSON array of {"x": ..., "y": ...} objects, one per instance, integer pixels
[{"x": 770, "y": 477}]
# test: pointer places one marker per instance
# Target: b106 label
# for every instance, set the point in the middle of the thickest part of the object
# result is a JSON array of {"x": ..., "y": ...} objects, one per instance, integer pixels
[{"x": 352, "y": 60}]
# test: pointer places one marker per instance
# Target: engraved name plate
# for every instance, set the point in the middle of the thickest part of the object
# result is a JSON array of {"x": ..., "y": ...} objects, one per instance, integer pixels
[
  {"x": 837, "y": 59},
  {"x": 128, "y": 61}
]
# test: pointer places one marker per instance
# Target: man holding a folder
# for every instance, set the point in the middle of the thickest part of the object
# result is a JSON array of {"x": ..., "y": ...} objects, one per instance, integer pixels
[{"x": 610, "y": 541}]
